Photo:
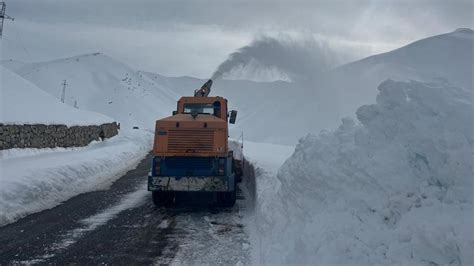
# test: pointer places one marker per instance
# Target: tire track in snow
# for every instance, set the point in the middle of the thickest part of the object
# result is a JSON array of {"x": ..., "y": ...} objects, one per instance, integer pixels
[{"x": 214, "y": 235}]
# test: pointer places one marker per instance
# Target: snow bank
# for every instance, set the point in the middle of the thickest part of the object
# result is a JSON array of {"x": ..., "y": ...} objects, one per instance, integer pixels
[
  {"x": 267, "y": 156},
  {"x": 26, "y": 152},
  {"x": 24, "y": 103},
  {"x": 236, "y": 147},
  {"x": 30, "y": 184},
  {"x": 396, "y": 189}
]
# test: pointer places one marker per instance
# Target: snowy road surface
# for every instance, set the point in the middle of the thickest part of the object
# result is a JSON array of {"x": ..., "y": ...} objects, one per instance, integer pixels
[{"x": 121, "y": 225}]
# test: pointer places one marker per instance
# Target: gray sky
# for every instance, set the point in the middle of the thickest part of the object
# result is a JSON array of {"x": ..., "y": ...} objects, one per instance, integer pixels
[{"x": 193, "y": 37}]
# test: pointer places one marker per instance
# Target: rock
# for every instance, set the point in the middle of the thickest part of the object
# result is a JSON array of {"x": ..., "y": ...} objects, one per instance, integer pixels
[{"x": 41, "y": 136}]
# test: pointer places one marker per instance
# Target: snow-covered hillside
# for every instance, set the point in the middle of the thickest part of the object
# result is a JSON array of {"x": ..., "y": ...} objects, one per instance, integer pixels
[
  {"x": 422, "y": 59},
  {"x": 446, "y": 58},
  {"x": 276, "y": 112},
  {"x": 12, "y": 65},
  {"x": 101, "y": 84},
  {"x": 24, "y": 103},
  {"x": 396, "y": 189},
  {"x": 263, "y": 106},
  {"x": 282, "y": 112}
]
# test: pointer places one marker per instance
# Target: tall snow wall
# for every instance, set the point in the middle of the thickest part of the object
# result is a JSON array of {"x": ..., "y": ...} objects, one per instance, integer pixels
[{"x": 395, "y": 188}]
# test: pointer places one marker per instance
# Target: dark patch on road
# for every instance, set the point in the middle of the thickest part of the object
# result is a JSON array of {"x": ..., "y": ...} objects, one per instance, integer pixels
[{"x": 135, "y": 236}]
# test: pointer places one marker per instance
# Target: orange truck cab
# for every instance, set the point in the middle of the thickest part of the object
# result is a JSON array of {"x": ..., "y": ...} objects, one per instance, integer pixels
[{"x": 191, "y": 151}]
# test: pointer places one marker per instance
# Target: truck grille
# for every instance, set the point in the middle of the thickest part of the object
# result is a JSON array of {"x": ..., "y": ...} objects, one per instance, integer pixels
[{"x": 190, "y": 141}]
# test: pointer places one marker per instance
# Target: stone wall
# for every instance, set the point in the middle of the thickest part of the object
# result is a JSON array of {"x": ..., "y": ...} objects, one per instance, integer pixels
[{"x": 50, "y": 136}]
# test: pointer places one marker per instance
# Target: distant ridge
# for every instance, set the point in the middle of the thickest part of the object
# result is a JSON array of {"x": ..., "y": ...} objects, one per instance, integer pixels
[{"x": 276, "y": 112}]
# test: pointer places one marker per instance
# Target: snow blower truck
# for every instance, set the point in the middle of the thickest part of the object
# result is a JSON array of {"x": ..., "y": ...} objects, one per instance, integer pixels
[{"x": 191, "y": 151}]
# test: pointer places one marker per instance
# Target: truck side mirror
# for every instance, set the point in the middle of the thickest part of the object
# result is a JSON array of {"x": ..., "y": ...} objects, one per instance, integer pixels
[
  {"x": 175, "y": 112},
  {"x": 233, "y": 116}
]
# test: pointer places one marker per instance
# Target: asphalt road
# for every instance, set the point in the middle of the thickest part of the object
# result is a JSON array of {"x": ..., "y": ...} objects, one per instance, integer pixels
[{"x": 121, "y": 225}]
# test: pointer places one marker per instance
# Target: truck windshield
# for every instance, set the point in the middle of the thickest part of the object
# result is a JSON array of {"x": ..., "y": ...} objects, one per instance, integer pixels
[{"x": 201, "y": 108}]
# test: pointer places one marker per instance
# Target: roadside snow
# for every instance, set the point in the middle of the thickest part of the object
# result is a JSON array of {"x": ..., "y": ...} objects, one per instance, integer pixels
[
  {"x": 396, "y": 189},
  {"x": 33, "y": 183},
  {"x": 266, "y": 159},
  {"x": 24, "y": 103},
  {"x": 236, "y": 147},
  {"x": 26, "y": 152},
  {"x": 266, "y": 156}
]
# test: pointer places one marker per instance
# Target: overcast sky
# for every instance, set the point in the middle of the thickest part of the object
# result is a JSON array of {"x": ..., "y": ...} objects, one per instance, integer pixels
[{"x": 193, "y": 37}]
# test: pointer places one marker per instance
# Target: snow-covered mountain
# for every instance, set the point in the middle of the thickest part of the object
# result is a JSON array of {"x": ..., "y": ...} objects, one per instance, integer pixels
[
  {"x": 446, "y": 58},
  {"x": 282, "y": 112},
  {"x": 264, "y": 107},
  {"x": 24, "y": 103},
  {"x": 99, "y": 83},
  {"x": 277, "y": 112}
]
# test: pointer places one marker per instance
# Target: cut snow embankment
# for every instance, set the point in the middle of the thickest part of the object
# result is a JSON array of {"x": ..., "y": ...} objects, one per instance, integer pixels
[
  {"x": 24, "y": 103},
  {"x": 266, "y": 156},
  {"x": 266, "y": 159},
  {"x": 396, "y": 189},
  {"x": 43, "y": 180}
]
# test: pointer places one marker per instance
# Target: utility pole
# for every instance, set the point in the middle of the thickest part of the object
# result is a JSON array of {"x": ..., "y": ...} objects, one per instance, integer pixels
[
  {"x": 63, "y": 95},
  {"x": 3, "y": 16}
]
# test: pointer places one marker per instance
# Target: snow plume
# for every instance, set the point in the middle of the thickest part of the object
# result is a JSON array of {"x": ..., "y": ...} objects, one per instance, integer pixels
[
  {"x": 396, "y": 189},
  {"x": 294, "y": 58}
]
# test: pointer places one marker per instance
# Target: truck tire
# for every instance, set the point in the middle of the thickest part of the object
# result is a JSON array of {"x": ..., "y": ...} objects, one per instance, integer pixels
[
  {"x": 237, "y": 169},
  {"x": 162, "y": 198},
  {"x": 157, "y": 197},
  {"x": 231, "y": 198},
  {"x": 227, "y": 199}
]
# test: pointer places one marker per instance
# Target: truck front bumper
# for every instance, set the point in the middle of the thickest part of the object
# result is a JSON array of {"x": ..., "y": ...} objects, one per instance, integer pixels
[{"x": 191, "y": 183}]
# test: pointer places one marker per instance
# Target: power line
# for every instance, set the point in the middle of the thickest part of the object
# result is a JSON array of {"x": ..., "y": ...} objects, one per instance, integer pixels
[
  {"x": 63, "y": 95},
  {"x": 3, "y": 16}
]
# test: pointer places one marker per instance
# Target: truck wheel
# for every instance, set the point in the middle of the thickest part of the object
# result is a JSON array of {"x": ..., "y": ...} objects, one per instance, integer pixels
[
  {"x": 232, "y": 198},
  {"x": 238, "y": 177},
  {"x": 158, "y": 198},
  {"x": 169, "y": 199},
  {"x": 162, "y": 198},
  {"x": 227, "y": 199}
]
